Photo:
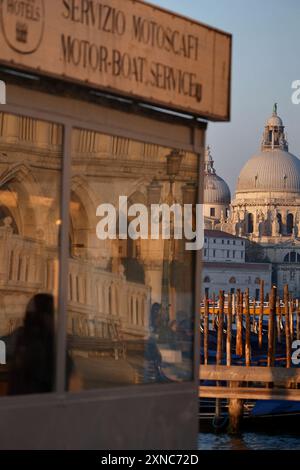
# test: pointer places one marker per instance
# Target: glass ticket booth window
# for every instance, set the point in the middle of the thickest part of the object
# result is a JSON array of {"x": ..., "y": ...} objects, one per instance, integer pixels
[
  {"x": 30, "y": 220},
  {"x": 130, "y": 299},
  {"x": 97, "y": 289}
]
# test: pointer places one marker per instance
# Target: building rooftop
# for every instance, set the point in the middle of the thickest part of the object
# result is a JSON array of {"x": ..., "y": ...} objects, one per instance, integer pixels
[
  {"x": 220, "y": 234},
  {"x": 244, "y": 266}
]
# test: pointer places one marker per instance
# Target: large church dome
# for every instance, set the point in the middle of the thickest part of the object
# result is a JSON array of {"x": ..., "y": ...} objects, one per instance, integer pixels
[{"x": 273, "y": 168}]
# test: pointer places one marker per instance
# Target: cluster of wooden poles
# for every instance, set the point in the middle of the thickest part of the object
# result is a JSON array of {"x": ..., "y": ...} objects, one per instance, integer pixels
[{"x": 283, "y": 325}]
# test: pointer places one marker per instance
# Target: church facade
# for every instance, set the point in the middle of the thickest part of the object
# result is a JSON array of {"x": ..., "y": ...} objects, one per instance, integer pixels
[{"x": 266, "y": 207}]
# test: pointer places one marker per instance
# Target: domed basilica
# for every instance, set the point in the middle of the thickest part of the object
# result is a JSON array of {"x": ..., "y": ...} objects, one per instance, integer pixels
[{"x": 266, "y": 205}]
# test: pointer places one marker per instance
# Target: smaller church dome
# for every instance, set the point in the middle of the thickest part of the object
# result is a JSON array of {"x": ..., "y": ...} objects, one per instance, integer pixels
[{"x": 216, "y": 190}]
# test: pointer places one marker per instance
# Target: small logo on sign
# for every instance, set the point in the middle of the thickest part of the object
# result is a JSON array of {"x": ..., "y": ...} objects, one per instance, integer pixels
[
  {"x": 22, "y": 22},
  {"x": 2, "y": 92},
  {"x": 2, "y": 353}
]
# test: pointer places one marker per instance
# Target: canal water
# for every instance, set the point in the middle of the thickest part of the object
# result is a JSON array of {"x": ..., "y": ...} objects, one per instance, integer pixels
[{"x": 249, "y": 441}]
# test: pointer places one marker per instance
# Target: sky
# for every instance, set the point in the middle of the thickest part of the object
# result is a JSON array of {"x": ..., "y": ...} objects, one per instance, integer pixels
[{"x": 266, "y": 60}]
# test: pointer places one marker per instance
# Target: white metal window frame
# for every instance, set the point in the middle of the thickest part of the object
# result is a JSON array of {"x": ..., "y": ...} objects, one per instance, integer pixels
[{"x": 68, "y": 123}]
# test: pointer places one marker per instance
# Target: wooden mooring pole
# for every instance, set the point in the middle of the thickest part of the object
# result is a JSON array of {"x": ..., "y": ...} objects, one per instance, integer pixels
[
  {"x": 261, "y": 312},
  {"x": 239, "y": 324},
  {"x": 235, "y": 407},
  {"x": 248, "y": 330},
  {"x": 229, "y": 329},
  {"x": 220, "y": 344},
  {"x": 287, "y": 326},
  {"x": 271, "y": 328},
  {"x": 205, "y": 330},
  {"x": 220, "y": 328},
  {"x": 292, "y": 317},
  {"x": 278, "y": 319},
  {"x": 214, "y": 311}
]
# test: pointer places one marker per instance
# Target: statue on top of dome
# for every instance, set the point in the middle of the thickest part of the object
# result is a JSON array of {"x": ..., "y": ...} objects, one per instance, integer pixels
[
  {"x": 275, "y": 108},
  {"x": 209, "y": 162}
]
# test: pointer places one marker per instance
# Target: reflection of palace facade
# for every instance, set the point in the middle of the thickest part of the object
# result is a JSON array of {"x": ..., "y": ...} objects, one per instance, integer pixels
[{"x": 112, "y": 283}]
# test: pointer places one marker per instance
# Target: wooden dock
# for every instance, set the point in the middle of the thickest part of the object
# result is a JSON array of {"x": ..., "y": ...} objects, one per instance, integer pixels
[
  {"x": 282, "y": 383},
  {"x": 243, "y": 355}
]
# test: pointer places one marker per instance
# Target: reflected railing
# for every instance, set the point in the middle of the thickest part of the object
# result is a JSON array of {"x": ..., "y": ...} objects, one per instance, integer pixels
[{"x": 102, "y": 304}]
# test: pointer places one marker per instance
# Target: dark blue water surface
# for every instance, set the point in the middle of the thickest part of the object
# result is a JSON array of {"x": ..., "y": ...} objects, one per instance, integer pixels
[{"x": 249, "y": 441}]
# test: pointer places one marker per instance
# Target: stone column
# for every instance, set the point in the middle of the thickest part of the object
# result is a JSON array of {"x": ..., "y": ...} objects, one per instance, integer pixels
[
  {"x": 6, "y": 248},
  {"x": 153, "y": 277}
]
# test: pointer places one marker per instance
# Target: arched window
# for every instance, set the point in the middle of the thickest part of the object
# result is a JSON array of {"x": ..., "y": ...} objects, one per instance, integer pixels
[
  {"x": 289, "y": 224},
  {"x": 79, "y": 226},
  {"x": 206, "y": 279},
  {"x": 250, "y": 223},
  {"x": 232, "y": 280},
  {"x": 292, "y": 257}
]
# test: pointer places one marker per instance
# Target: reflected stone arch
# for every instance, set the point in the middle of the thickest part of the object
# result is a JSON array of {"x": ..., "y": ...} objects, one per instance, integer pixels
[
  {"x": 79, "y": 225},
  {"x": 232, "y": 280},
  {"x": 21, "y": 188},
  {"x": 82, "y": 217},
  {"x": 138, "y": 197},
  {"x": 130, "y": 250}
]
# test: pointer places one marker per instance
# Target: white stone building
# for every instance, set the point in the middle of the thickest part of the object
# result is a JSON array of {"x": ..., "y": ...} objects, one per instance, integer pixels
[{"x": 225, "y": 268}]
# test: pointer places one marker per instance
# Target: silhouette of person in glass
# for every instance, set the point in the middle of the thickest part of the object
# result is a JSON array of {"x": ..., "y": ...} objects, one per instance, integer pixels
[{"x": 33, "y": 363}]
